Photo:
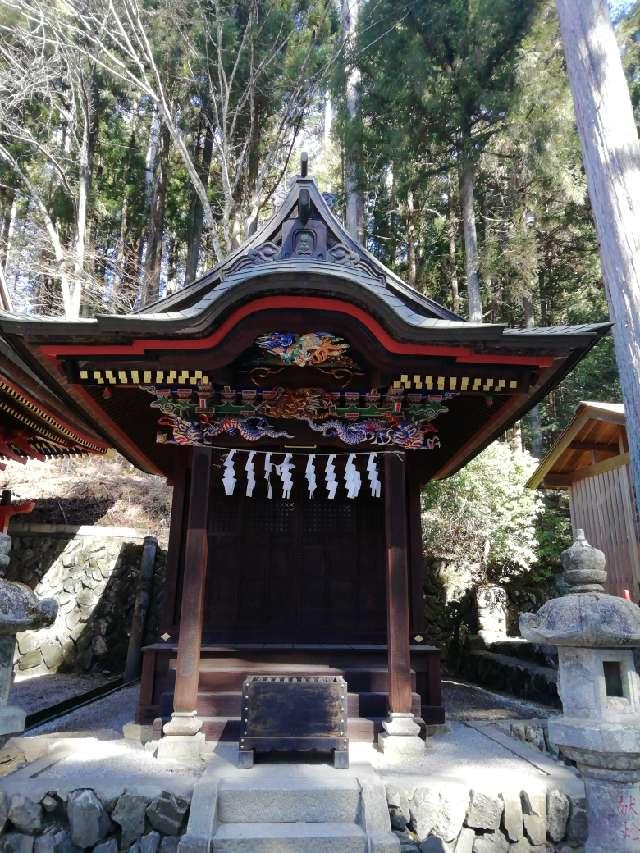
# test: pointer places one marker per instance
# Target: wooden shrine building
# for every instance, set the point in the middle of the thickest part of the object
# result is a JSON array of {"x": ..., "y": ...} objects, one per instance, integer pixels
[
  {"x": 297, "y": 397},
  {"x": 35, "y": 422},
  {"x": 590, "y": 460}
]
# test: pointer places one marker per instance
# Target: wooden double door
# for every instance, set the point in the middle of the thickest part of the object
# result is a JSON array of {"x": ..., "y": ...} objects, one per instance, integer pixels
[{"x": 295, "y": 571}]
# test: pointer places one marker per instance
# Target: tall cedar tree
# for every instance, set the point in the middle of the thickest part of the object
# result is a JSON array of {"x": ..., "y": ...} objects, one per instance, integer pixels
[{"x": 450, "y": 93}]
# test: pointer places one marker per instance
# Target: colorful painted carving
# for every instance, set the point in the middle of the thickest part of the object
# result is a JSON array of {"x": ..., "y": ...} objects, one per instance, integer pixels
[
  {"x": 297, "y": 403},
  {"x": 312, "y": 348},
  {"x": 204, "y": 431},
  {"x": 411, "y": 435},
  {"x": 350, "y": 417}
]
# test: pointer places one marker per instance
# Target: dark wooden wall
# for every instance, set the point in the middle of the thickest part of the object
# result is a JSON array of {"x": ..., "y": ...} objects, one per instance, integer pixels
[{"x": 291, "y": 571}]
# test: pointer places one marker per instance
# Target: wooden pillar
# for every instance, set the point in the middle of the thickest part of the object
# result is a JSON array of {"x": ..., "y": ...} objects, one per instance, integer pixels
[
  {"x": 174, "y": 552},
  {"x": 398, "y": 655},
  {"x": 184, "y": 720},
  {"x": 416, "y": 556}
]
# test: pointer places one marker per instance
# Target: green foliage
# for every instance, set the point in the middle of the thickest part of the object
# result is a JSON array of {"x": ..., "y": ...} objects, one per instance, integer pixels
[{"x": 484, "y": 516}]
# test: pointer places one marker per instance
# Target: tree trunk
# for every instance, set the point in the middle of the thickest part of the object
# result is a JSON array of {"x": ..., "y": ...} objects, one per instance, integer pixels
[
  {"x": 453, "y": 266},
  {"x": 354, "y": 201},
  {"x": 87, "y": 95},
  {"x": 7, "y": 216},
  {"x": 474, "y": 297},
  {"x": 196, "y": 216},
  {"x": 153, "y": 255},
  {"x": 150, "y": 156},
  {"x": 411, "y": 240},
  {"x": 535, "y": 421},
  {"x": 611, "y": 156}
]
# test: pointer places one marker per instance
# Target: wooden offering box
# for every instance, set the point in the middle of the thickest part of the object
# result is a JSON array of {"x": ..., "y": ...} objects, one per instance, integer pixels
[{"x": 294, "y": 714}]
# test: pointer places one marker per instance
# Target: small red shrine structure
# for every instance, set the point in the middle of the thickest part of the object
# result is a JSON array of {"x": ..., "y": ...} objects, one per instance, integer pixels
[{"x": 297, "y": 397}]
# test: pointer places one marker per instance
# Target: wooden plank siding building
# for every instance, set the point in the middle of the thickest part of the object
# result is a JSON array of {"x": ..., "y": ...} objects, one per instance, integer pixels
[
  {"x": 296, "y": 397},
  {"x": 591, "y": 461}
]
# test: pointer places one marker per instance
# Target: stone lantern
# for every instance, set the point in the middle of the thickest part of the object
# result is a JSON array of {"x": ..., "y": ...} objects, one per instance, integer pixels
[
  {"x": 20, "y": 610},
  {"x": 599, "y": 687}
]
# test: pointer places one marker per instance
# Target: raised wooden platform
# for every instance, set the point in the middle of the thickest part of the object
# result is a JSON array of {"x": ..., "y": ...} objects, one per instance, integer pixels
[{"x": 223, "y": 668}]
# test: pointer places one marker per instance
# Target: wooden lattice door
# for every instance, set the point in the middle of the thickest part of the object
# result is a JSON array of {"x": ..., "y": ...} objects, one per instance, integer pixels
[{"x": 286, "y": 571}]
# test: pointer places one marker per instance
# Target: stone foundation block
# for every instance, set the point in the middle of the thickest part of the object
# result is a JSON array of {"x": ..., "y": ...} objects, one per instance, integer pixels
[
  {"x": 166, "y": 813},
  {"x": 435, "y": 844},
  {"x": 557, "y": 814},
  {"x": 535, "y": 828},
  {"x": 54, "y": 842},
  {"x": 149, "y": 843},
  {"x": 129, "y": 813},
  {"x": 440, "y": 812},
  {"x": 88, "y": 820},
  {"x": 491, "y": 842},
  {"x": 108, "y": 846},
  {"x": 16, "y": 842},
  {"x": 512, "y": 818},
  {"x": 465, "y": 841},
  {"x": 485, "y": 812},
  {"x": 25, "y": 814},
  {"x": 183, "y": 748}
]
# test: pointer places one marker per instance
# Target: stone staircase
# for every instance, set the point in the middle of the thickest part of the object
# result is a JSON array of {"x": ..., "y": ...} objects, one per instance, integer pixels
[
  {"x": 297, "y": 813},
  {"x": 288, "y": 808}
]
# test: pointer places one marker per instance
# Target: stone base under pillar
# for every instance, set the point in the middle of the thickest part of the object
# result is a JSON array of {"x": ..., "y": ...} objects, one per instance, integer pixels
[
  {"x": 11, "y": 720},
  {"x": 184, "y": 748},
  {"x": 401, "y": 736},
  {"x": 183, "y": 723}
]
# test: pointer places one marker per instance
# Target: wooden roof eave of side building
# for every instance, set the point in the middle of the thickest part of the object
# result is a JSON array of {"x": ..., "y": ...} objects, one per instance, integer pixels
[
  {"x": 597, "y": 430},
  {"x": 45, "y": 426}
]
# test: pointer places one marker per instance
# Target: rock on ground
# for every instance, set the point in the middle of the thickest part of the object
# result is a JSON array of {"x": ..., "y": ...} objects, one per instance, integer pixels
[
  {"x": 25, "y": 815},
  {"x": 484, "y": 812},
  {"x": 491, "y": 842},
  {"x": 512, "y": 818},
  {"x": 166, "y": 813},
  {"x": 88, "y": 820},
  {"x": 557, "y": 814},
  {"x": 129, "y": 813}
]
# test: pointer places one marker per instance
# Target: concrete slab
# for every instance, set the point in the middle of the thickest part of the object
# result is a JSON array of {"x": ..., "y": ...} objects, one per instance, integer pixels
[{"x": 471, "y": 756}]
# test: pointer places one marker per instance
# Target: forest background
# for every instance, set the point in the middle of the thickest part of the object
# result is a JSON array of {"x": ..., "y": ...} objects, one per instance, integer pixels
[{"x": 142, "y": 140}]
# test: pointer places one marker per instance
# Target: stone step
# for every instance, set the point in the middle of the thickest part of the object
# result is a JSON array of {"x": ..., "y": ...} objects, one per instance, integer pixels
[
  {"x": 276, "y": 797},
  {"x": 289, "y": 838},
  {"x": 359, "y": 729},
  {"x": 512, "y": 675}
]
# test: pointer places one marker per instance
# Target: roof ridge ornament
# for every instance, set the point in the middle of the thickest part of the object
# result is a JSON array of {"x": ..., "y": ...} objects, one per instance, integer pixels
[{"x": 304, "y": 164}]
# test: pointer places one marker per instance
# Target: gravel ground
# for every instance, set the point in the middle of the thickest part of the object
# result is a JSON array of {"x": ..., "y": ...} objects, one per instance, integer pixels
[
  {"x": 34, "y": 694},
  {"x": 111, "y": 712},
  {"x": 464, "y": 701}
]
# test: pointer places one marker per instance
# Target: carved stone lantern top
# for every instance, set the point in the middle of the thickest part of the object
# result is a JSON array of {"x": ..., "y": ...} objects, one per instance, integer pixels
[
  {"x": 586, "y": 616},
  {"x": 584, "y": 566}
]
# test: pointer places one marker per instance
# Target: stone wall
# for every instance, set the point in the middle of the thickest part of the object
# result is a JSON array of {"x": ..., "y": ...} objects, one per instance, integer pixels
[
  {"x": 454, "y": 819},
  {"x": 82, "y": 820},
  {"x": 92, "y": 572}
]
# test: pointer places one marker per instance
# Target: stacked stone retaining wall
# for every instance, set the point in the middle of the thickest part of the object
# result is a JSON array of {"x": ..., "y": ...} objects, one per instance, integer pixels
[
  {"x": 92, "y": 572},
  {"x": 82, "y": 820},
  {"x": 451, "y": 818}
]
